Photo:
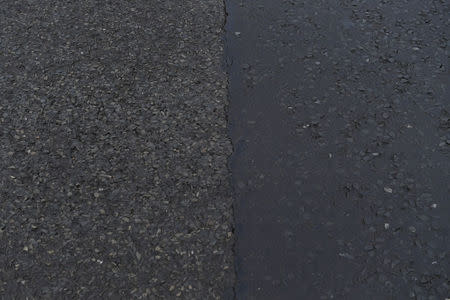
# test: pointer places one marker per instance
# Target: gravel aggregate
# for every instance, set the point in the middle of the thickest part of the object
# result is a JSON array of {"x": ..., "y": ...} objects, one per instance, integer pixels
[{"x": 113, "y": 151}]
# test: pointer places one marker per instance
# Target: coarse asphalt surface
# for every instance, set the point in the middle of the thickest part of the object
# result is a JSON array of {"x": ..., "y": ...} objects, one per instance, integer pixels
[
  {"x": 340, "y": 120},
  {"x": 113, "y": 151}
]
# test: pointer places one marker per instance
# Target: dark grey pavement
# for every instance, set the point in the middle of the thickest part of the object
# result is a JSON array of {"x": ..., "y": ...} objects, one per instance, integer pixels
[
  {"x": 114, "y": 146},
  {"x": 340, "y": 120},
  {"x": 113, "y": 151}
]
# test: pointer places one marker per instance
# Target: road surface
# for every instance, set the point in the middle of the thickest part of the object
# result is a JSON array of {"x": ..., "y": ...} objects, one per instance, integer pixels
[
  {"x": 113, "y": 151},
  {"x": 340, "y": 121}
]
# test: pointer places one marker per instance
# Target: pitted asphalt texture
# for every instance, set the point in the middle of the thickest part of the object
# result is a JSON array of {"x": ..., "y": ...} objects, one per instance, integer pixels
[{"x": 113, "y": 151}]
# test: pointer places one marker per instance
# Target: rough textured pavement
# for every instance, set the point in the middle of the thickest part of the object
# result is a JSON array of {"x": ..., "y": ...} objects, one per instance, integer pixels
[
  {"x": 113, "y": 150},
  {"x": 340, "y": 118}
]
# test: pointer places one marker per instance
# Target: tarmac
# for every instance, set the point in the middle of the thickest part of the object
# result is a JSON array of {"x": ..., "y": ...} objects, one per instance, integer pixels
[
  {"x": 339, "y": 114},
  {"x": 167, "y": 149},
  {"x": 113, "y": 151}
]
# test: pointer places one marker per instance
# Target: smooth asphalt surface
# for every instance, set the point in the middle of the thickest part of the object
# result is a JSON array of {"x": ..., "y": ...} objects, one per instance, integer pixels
[
  {"x": 340, "y": 121},
  {"x": 113, "y": 151}
]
